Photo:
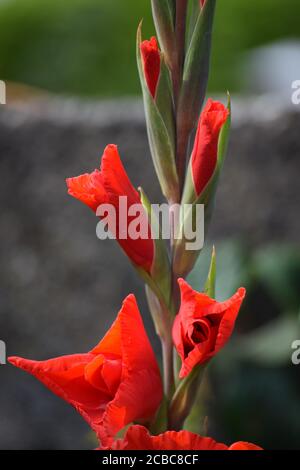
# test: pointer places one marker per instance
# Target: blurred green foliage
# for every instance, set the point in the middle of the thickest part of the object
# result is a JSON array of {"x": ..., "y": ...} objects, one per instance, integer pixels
[{"x": 87, "y": 47}]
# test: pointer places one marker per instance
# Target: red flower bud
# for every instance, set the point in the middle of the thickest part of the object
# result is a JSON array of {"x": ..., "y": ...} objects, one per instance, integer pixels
[
  {"x": 138, "y": 438},
  {"x": 151, "y": 62},
  {"x": 202, "y": 2},
  {"x": 203, "y": 326},
  {"x": 205, "y": 151},
  {"x": 114, "y": 384},
  {"x": 106, "y": 186}
]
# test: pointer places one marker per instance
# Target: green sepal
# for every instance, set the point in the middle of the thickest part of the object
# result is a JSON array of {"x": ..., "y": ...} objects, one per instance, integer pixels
[
  {"x": 161, "y": 140},
  {"x": 160, "y": 424},
  {"x": 160, "y": 277},
  {"x": 184, "y": 398}
]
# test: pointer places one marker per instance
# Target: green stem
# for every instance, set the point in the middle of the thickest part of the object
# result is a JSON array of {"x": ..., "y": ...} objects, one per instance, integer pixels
[
  {"x": 163, "y": 320},
  {"x": 167, "y": 353}
]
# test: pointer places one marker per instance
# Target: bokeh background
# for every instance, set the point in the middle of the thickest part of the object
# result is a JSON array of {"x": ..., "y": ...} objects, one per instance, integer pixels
[{"x": 72, "y": 87}]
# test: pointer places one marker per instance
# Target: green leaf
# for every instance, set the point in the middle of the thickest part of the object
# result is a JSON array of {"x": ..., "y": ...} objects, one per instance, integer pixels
[
  {"x": 193, "y": 14},
  {"x": 196, "y": 68},
  {"x": 210, "y": 285},
  {"x": 164, "y": 99},
  {"x": 161, "y": 140},
  {"x": 164, "y": 16},
  {"x": 233, "y": 269}
]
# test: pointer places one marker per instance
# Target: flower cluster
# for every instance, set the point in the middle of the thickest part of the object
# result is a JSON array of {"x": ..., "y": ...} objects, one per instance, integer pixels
[{"x": 118, "y": 384}]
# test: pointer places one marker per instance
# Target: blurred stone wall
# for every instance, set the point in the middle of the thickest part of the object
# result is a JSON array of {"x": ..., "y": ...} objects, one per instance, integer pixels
[{"x": 60, "y": 287}]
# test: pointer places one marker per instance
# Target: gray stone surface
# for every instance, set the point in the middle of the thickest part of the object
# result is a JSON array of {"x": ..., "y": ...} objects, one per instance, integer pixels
[{"x": 60, "y": 288}]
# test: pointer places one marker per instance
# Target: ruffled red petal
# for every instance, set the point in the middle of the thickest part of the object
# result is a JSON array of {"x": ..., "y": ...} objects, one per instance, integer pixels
[
  {"x": 139, "y": 438},
  {"x": 244, "y": 446},
  {"x": 112, "y": 385},
  {"x": 141, "y": 386},
  {"x": 107, "y": 186},
  {"x": 217, "y": 320}
]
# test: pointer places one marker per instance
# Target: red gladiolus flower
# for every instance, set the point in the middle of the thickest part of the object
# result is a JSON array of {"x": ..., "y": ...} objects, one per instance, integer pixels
[
  {"x": 112, "y": 385},
  {"x": 138, "y": 438},
  {"x": 151, "y": 62},
  {"x": 106, "y": 186},
  {"x": 203, "y": 326},
  {"x": 205, "y": 151}
]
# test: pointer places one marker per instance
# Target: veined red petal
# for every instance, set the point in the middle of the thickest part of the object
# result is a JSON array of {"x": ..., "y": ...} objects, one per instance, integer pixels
[
  {"x": 205, "y": 151},
  {"x": 140, "y": 373},
  {"x": 108, "y": 185},
  {"x": 88, "y": 188},
  {"x": 112, "y": 385},
  {"x": 139, "y": 438},
  {"x": 151, "y": 62}
]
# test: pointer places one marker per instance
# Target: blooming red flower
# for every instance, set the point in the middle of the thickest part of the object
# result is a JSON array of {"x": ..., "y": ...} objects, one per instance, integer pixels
[
  {"x": 138, "y": 438},
  {"x": 106, "y": 186},
  {"x": 203, "y": 326},
  {"x": 151, "y": 62},
  {"x": 205, "y": 151},
  {"x": 113, "y": 385}
]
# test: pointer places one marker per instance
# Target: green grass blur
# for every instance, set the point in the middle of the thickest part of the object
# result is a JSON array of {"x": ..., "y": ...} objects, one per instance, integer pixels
[{"x": 87, "y": 47}]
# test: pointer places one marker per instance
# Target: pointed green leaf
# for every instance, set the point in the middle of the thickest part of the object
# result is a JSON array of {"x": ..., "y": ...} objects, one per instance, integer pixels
[
  {"x": 210, "y": 285},
  {"x": 196, "y": 67},
  {"x": 193, "y": 13},
  {"x": 164, "y": 16},
  {"x": 164, "y": 99}
]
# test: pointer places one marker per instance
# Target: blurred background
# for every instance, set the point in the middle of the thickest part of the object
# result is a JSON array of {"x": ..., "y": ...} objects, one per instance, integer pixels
[{"x": 72, "y": 87}]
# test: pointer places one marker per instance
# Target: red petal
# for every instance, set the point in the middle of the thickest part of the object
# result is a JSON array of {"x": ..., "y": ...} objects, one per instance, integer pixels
[
  {"x": 88, "y": 188},
  {"x": 141, "y": 386},
  {"x": 231, "y": 310},
  {"x": 64, "y": 376},
  {"x": 244, "y": 446},
  {"x": 151, "y": 61},
  {"x": 205, "y": 151},
  {"x": 106, "y": 186},
  {"x": 138, "y": 438},
  {"x": 219, "y": 319},
  {"x": 116, "y": 383},
  {"x": 115, "y": 178}
]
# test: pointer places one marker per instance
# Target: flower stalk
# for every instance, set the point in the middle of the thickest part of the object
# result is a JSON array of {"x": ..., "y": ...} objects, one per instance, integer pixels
[{"x": 118, "y": 383}]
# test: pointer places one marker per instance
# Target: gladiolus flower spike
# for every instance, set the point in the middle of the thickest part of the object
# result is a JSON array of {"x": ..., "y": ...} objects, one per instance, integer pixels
[{"x": 117, "y": 386}]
